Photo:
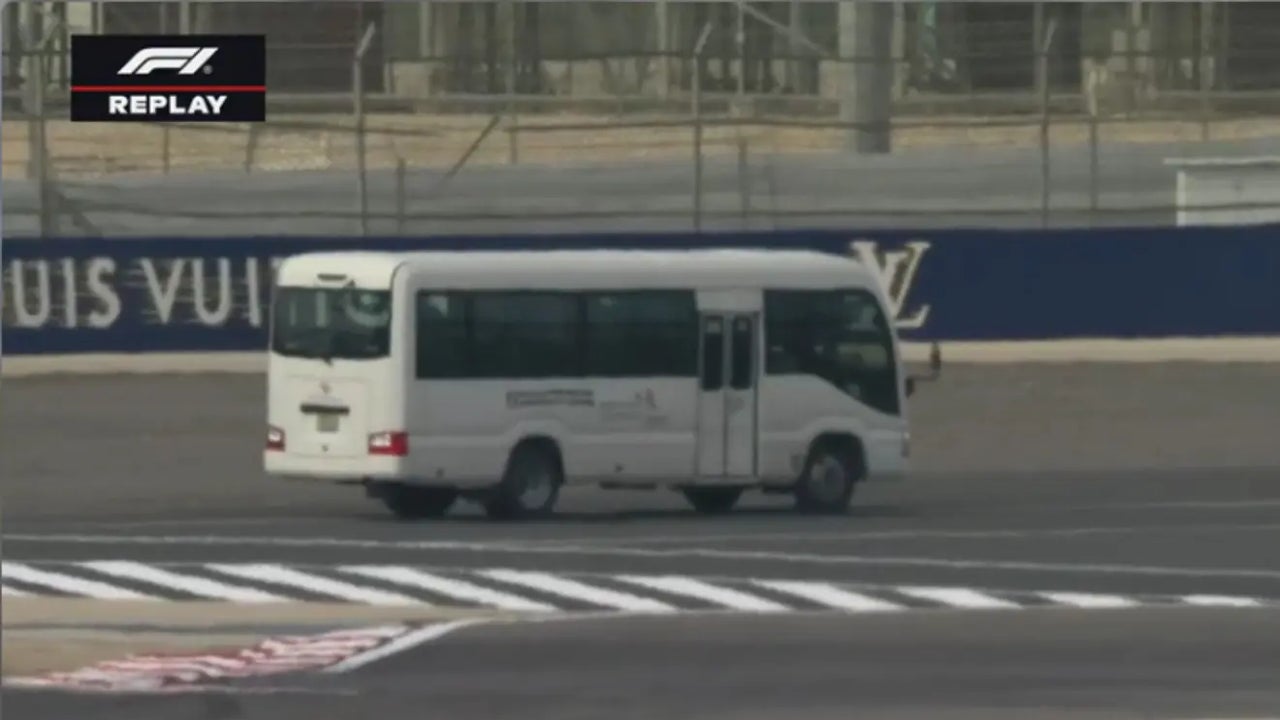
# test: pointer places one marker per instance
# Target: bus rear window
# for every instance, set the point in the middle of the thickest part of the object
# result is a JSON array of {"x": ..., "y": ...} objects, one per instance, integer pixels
[{"x": 331, "y": 323}]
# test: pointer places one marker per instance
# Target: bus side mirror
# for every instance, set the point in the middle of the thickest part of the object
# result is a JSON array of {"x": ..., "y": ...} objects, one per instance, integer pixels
[{"x": 935, "y": 370}]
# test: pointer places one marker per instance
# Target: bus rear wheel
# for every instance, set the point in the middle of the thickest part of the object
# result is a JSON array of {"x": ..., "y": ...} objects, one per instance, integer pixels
[
  {"x": 416, "y": 503},
  {"x": 712, "y": 500},
  {"x": 530, "y": 486}
]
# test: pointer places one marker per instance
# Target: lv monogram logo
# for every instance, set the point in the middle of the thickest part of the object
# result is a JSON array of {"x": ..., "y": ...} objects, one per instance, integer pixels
[{"x": 896, "y": 270}]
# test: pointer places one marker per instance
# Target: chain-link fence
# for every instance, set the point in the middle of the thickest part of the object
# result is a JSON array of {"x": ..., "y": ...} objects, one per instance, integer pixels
[{"x": 513, "y": 117}]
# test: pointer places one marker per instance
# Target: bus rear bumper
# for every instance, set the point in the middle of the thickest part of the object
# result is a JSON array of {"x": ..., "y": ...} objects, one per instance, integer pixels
[
  {"x": 367, "y": 471},
  {"x": 330, "y": 469}
]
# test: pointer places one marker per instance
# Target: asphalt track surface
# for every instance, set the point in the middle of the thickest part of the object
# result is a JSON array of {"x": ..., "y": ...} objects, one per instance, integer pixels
[
  {"x": 1045, "y": 666},
  {"x": 919, "y": 187},
  {"x": 1133, "y": 479}
]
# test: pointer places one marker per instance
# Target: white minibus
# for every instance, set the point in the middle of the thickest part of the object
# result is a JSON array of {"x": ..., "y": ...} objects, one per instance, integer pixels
[{"x": 499, "y": 377}]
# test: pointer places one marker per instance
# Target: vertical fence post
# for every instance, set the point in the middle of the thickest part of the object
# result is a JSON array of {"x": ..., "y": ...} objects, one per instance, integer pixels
[
  {"x": 1093, "y": 159},
  {"x": 663, "y": 22},
  {"x": 1206, "y": 66},
  {"x": 1093, "y": 88},
  {"x": 1042, "y": 80},
  {"x": 513, "y": 137},
  {"x": 250, "y": 146},
  {"x": 741, "y": 40},
  {"x": 166, "y": 138},
  {"x": 744, "y": 182},
  {"x": 697, "y": 126},
  {"x": 513, "y": 79},
  {"x": 400, "y": 195},
  {"x": 33, "y": 47},
  {"x": 793, "y": 33},
  {"x": 357, "y": 92}
]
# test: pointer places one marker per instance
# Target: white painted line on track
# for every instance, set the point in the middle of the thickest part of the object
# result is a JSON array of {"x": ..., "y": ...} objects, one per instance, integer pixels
[
  {"x": 203, "y": 587},
  {"x": 691, "y": 587},
  {"x": 458, "y": 589},
  {"x": 1220, "y": 601},
  {"x": 546, "y": 582},
  {"x": 1184, "y": 505},
  {"x": 69, "y": 584},
  {"x": 957, "y": 597},
  {"x": 281, "y": 575},
  {"x": 1088, "y": 600},
  {"x": 12, "y": 592},
  {"x": 522, "y": 590},
  {"x": 398, "y": 645},
  {"x": 681, "y": 553},
  {"x": 831, "y": 596},
  {"x": 993, "y": 534},
  {"x": 695, "y": 539}
]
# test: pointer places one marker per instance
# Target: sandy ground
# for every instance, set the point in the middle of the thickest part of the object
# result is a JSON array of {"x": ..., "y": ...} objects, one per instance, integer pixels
[
  {"x": 318, "y": 142},
  {"x": 50, "y": 634}
]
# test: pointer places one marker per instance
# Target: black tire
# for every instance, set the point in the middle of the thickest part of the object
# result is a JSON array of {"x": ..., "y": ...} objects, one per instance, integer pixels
[
  {"x": 529, "y": 488},
  {"x": 408, "y": 502},
  {"x": 827, "y": 483},
  {"x": 712, "y": 500}
]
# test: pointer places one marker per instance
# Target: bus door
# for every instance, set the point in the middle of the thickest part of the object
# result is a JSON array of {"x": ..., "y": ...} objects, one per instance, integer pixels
[{"x": 727, "y": 399}]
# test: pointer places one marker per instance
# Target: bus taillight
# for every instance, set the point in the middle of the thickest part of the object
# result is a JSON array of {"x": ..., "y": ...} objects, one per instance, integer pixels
[
  {"x": 275, "y": 438},
  {"x": 395, "y": 443}
]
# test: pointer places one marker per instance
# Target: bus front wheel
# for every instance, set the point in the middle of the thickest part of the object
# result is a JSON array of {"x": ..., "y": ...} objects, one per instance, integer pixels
[{"x": 827, "y": 483}]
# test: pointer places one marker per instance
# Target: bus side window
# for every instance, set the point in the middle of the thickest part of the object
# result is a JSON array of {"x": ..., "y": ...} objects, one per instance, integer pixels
[
  {"x": 442, "y": 338},
  {"x": 525, "y": 334}
]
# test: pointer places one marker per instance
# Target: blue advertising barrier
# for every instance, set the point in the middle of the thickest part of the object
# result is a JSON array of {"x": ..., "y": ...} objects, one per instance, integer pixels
[{"x": 167, "y": 295}]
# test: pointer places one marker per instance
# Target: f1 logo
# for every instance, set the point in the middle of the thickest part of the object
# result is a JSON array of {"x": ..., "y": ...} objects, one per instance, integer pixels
[{"x": 186, "y": 60}]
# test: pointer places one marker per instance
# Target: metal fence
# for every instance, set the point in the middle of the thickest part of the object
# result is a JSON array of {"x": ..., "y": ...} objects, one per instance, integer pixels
[{"x": 1069, "y": 135}]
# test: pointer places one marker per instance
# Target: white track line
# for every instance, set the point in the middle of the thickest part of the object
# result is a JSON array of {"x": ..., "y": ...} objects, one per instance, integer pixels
[
  {"x": 187, "y": 583},
  {"x": 281, "y": 575},
  {"x": 525, "y": 548},
  {"x": 404, "y": 642},
  {"x": 459, "y": 589},
  {"x": 1088, "y": 600},
  {"x": 69, "y": 584},
  {"x": 831, "y": 596},
  {"x": 956, "y": 597},
  {"x": 12, "y": 592},
  {"x": 1220, "y": 601},
  {"x": 689, "y": 587},
  {"x": 565, "y": 587}
]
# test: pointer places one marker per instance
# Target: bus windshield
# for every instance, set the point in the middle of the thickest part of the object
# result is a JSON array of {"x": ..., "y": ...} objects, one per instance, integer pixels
[
  {"x": 841, "y": 336},
  {"x": 328, "y": 323}
]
